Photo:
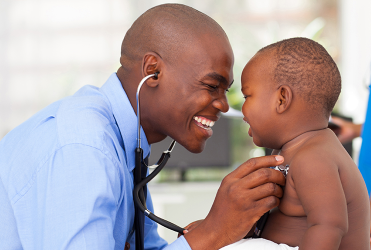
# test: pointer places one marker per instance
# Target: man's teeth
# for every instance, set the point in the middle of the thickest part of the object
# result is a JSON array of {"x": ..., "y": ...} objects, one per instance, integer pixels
[{"x": 204, "y": 121}]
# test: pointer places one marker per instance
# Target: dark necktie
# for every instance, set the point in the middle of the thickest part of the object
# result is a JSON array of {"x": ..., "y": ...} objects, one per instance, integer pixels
[{"x": 139, "y": 215}]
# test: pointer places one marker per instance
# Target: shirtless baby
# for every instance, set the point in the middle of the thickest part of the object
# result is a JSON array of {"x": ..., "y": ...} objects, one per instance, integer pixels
[{"x": 290, "y": 89}]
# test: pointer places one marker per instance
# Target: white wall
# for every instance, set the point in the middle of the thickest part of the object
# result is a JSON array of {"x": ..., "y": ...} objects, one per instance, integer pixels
[{"x": 50, "y": 48}]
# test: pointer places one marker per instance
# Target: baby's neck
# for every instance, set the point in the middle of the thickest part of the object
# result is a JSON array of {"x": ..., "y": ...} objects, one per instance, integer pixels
[{"x": 297, "y": 141}]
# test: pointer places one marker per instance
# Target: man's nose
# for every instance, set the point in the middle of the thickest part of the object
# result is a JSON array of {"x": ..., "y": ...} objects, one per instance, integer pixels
[{"x": 221, "y": 102}]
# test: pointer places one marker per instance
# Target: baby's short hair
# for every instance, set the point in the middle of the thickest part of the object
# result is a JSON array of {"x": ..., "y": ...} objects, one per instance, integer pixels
[{"x": 305, "y": 65}]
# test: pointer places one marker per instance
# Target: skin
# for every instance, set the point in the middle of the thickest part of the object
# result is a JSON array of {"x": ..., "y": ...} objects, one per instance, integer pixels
[
  {"x": 346, "y": 133},
  {"x": 325, "y": 202},
  {"x": 127, "y": 246},
  {"x": 348, "y": 130},
  {"x": 196, "y": 85}
]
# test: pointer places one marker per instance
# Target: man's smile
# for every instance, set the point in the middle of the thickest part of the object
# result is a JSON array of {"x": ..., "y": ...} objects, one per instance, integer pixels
[{"x": 203, "y": 122}]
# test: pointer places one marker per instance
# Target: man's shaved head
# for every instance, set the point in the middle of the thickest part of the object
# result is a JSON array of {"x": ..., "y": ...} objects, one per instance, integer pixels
[
  {"x": 167, "y": 30},
  {"x": 194, "y": 59}
]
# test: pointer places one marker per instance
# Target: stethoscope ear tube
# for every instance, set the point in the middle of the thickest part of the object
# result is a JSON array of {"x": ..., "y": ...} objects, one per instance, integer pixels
[
  {"x": 138, "y": 192},
  {"x": 141, "y": 205}
]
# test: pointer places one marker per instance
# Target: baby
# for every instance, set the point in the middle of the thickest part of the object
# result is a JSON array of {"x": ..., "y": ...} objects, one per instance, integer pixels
[{"x": 290, "y": 89}]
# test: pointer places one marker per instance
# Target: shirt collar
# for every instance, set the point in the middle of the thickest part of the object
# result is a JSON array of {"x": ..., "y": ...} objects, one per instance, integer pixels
[{"x": 126, "y": 119}]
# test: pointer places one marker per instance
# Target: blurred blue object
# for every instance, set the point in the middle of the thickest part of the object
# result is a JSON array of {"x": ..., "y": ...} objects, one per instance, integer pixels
[{"x": 364, "y": 163}]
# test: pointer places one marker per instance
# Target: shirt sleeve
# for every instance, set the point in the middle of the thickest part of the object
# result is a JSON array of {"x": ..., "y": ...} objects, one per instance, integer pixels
[
  {"x": 77, "y": 193},
  {"x": 179, "y": 243}
]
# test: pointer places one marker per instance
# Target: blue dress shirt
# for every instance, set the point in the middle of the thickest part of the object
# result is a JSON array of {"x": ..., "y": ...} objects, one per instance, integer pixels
[{"x": 67, "y": 176}]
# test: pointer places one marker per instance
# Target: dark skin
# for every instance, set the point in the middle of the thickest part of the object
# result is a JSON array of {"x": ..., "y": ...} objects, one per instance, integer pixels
[
  {"x": 325, "y": 202},
  {"x": 196, "y": 86},
  {"x": 346, "y": 132}
]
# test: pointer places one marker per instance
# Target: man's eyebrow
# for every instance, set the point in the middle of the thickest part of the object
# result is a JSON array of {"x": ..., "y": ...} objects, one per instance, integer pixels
[
  {"x": 219, "y": 78},
  {"x": 230, "y": 85}
]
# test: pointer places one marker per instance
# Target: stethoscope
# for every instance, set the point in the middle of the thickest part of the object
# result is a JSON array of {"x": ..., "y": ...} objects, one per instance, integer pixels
[{"x": 139, "y": 182}]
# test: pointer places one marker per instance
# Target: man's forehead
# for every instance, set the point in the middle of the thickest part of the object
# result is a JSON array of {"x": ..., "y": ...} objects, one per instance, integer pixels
[
  {"x": 221, "y": 79},
  {"x": 209, "y": 40}
]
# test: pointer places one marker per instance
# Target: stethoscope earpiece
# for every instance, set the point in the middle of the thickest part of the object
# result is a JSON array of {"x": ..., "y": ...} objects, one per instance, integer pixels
[{"x": 156, "y": 75}]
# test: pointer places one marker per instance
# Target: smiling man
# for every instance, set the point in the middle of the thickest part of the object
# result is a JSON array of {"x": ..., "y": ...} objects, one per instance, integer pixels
[{"x": 67, "y": 172}]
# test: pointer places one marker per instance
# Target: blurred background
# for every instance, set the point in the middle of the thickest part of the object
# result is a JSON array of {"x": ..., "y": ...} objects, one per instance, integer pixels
[{"x": 51, "y": 48}]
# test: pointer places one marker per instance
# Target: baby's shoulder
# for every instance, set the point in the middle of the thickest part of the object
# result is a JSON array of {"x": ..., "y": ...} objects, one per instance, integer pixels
[
  {"x": 321, "y": 145},
  {"x": 324, "y": 148},
  {"x": 314, "y": 157}
]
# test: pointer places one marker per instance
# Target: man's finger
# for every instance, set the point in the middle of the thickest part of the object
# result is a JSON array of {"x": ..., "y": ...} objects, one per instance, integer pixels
[
  {"x": 267, "y": 204},
  {"x": 262, "y": 176},
  {"x": 256, "y": 163},
  {"x": 266, "y": 190}
]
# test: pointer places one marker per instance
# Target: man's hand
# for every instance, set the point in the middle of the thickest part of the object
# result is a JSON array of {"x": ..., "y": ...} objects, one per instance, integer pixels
[
  {"x": 243, "y": 197},
  {"x": 190, "y": 227},
  {"x": 348, "y": 130}
]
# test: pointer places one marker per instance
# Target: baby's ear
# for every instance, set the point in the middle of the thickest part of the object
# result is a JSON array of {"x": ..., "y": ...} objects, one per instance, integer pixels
[{"x": 284, "y": 99}]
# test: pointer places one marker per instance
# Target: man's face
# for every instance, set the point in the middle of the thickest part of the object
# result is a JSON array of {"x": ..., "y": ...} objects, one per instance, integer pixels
[
  {"x": 194, "y": 92},
  {"x": 258, "y": 89}
]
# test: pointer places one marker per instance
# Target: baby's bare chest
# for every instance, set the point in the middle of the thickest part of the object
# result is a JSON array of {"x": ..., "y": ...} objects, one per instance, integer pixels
[{"x": 290, "y": 204}]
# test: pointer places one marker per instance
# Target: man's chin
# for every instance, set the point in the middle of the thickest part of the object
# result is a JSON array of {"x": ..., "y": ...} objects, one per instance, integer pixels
[{"x": 194, "y": 148}]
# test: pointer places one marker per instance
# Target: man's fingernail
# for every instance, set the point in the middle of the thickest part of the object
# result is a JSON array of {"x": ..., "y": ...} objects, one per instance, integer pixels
[
  {"x": 278, "y": 158},
  {"x": 185, "y": 231}
]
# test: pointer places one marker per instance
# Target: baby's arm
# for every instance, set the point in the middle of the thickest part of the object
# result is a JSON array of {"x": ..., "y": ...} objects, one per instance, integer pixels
[{"x": 319, "y": 188}]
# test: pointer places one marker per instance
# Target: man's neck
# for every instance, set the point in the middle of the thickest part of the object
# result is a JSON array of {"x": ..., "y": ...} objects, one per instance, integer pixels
[
  {"x": 130, "y": 84},
  {"x": 130, "y": 80}
]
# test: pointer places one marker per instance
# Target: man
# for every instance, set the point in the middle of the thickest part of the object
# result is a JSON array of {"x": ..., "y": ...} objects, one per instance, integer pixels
[{"x": 67, "y": 173}]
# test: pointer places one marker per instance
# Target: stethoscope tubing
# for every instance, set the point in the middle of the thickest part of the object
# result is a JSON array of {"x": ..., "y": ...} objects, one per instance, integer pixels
[
  {"x": 137, "y": 199},
  {"x": 138, "y": 194},
  {"x": 138, "y": 109}
]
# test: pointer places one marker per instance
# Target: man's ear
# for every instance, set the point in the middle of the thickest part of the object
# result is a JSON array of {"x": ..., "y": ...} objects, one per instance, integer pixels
[
  {"x": 284, "y": 98},
  {"x": 151, "y": 64}
]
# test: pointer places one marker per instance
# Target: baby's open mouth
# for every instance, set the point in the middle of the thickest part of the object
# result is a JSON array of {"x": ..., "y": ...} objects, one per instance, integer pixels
[{"x": 203, "y": 122}]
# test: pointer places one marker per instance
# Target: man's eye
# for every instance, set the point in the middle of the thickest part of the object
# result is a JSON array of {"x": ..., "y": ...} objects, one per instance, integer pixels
[
  {"x": 245, "y": 96},
  {"x": 213, "y": 87}
]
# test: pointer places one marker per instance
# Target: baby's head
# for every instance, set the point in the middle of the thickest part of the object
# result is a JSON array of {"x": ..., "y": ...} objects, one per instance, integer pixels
[{"x": 290, "y": 87}]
